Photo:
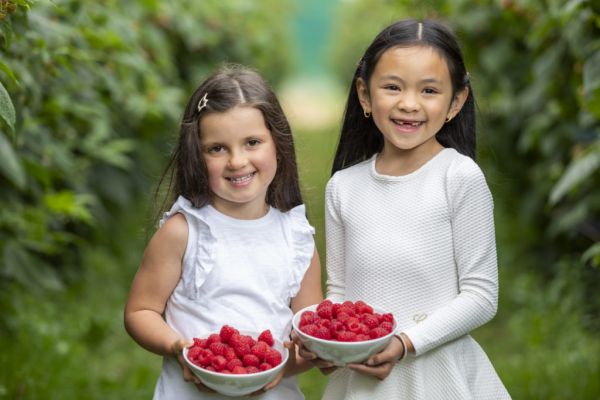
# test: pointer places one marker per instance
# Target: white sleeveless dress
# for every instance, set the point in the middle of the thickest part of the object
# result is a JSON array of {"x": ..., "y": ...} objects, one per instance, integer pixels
[{"x": 242, "y": 273}]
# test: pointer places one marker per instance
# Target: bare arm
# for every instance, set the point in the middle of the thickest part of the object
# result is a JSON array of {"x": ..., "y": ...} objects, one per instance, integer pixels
[
  {"x": 152, "y": 285},
  {"x": 310, "y": 293},
  {"x": 310, "y": 289}
]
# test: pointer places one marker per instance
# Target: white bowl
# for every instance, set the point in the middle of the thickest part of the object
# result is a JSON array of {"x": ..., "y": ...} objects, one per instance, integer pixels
[
  {"x": 238, "y": 385},
  {"x": 341, "y": 353}
]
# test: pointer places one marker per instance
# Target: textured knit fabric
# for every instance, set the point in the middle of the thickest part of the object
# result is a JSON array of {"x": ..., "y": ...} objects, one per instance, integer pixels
[
  {"x": 242, "y": 273},
  {"x": 423, "y": 247}
]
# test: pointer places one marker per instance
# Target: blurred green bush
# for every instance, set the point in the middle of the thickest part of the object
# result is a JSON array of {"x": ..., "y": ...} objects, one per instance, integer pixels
[{"x": 90, "y": 97}]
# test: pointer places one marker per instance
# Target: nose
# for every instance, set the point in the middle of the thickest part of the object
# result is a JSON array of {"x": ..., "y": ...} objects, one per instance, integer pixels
[
  {"x": 237, "y": 160},
  {"x": 408, "y": 101}
]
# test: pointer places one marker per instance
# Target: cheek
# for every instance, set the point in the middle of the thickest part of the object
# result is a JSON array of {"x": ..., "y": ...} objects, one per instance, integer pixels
[{"x": 213, "y": 169}]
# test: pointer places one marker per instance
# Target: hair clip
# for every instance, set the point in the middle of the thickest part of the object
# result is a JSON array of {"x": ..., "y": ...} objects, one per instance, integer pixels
[{"x": 202, "y": 103}]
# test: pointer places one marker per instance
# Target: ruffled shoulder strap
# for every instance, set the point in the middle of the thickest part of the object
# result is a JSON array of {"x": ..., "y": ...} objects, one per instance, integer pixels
[
  {"x": 199, "y": 257},
  {"x": 303, "y": 246}
]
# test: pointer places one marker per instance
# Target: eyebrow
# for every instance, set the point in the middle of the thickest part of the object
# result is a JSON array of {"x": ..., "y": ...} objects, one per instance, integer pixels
[{"x": 398, "y": 79}]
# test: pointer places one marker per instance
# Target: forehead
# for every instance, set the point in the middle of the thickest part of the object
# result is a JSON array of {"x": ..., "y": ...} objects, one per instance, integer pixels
[
  {"x": 413, "y": 61},
  {"x": 239, "y": 121}
]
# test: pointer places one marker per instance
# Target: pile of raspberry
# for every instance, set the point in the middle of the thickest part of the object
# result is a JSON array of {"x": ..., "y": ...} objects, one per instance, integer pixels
[
  {"x": 230, "y": 352},
  {"x": 346, "y": 322}
]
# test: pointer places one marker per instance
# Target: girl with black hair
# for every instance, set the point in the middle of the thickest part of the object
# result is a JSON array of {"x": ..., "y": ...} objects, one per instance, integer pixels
[{"x": 409, "y": 220}]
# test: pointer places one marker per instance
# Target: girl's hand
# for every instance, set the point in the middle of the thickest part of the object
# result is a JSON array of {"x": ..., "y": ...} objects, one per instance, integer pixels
[
  {"x": 380, "y": 365},
  {"x": 291, "y": 362},
  {"x": 326, "y": 367},
  {"x": 188, "y": 376}
]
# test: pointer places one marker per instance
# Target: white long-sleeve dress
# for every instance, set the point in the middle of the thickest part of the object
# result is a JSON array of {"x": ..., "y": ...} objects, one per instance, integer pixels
[{"x": 423, "y": 247}]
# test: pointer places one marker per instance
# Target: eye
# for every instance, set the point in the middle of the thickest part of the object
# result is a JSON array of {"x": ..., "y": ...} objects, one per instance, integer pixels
[
  {"x": 392, "y": 87},
  {"x": 217, "y": 148},
  {"x": 430, "y": 91},
  {"x": 253, "y": 142}
]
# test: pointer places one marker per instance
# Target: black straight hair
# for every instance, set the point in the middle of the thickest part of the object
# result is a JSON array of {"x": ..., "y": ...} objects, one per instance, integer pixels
[{"x": 360, "y": 138}]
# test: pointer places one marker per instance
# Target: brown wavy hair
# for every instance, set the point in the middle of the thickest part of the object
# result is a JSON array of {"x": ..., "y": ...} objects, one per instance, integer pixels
[{"x": 230, "y": 86}]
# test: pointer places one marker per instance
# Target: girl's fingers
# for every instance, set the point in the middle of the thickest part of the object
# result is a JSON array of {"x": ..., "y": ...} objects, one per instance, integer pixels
[
  {"x": 380, "y": 371},
  {"x": 390, "y": 354}
]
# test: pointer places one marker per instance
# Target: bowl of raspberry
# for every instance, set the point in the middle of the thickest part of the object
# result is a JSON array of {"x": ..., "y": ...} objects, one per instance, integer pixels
[
  {"x": 234, "y": 362},
  {"x": 344, "y": 333}
]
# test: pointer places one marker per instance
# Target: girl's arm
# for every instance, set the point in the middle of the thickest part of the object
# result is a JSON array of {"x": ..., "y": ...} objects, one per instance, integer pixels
[
  {"x": 475, "y": 257},
  {"x": 334, "y": 239},
  {"x": 310, "y": 289},
  {"x": 310, "y": 293},
  {"x": 152, "y": 285}
]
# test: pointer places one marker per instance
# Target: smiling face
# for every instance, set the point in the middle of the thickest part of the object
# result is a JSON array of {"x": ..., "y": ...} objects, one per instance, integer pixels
[
  {"x": 410, "y": 96},
  {"x": 241, "y": 160}
]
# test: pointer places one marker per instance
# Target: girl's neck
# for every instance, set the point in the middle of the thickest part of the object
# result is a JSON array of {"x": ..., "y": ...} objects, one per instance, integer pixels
[
  {"x": 398, "y": 162},
  {"x": 244, "y": 212}
]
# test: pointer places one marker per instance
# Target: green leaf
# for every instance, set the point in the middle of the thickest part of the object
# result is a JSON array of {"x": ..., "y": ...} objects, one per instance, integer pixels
[
  {"x": 11, "y": 166},
  {"x": 577, "y": 171},
  {"x": 592, "y": 254},
  {"x": 4, "y": 68},
  {"x": 7, "y": 110},
  {"x": 591, "y": 83}
]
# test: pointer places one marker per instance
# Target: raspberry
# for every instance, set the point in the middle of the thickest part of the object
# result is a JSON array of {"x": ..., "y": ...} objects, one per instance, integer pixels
[
  {"x": 343, "y": 316},
  {"x": 200, "y": 343},
  {"x": 362, "y": 337},
  {"x": 251, "y": 360},
  {"x": 363, "y": 308},
  {"x": 212, "y": 339},
  {"x": 260, "y": 349},
  {"x": 273, "y": 357},
  {"x": 370, "y": 320},
  {"x": 349, "y": 305},
  {"x": 241, "y": 349},
  {"x": 252, "y": 370},
  {"x": 218, "y": 362},
  {"x": 266, "y": 337},
  {"x": 236, "y": 362},
  {"x": 336, "y": 326},
  {"x": 226, "y": 332},
  {"x": 230, "y": 354},
  {"x": 265, "y": 366},
  {"x": 325, "y": 309},
  {"x": 346, "y": 336},
  {"x": 239, "y": 370},
  {"x": 307, "y": 317},
  {"x": 322, "y": 333},
  {"x": 388, "y": 326},
  {"x": 388, "y": 317},
  {"x": 248, "y": 339},
  {"x": 193, "y": 353},
  {"x": 310, "y": 329},
  {"x": 355, "y": 326},
  {"x": 218, "y": 348},
  {"x": 377, "y": 332},
  {"x": 347, "y": 310}
]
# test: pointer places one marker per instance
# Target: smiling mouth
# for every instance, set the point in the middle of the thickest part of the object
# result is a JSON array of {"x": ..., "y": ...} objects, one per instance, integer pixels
[
  {"x": 412, "y": 124},
  {"x": 240, "y": 180}
]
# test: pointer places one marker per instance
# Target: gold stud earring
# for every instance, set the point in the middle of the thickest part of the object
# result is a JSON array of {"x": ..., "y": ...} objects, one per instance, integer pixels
[
  {"x": 448, "y": 119},
  {"x": 366, "y": 113}
]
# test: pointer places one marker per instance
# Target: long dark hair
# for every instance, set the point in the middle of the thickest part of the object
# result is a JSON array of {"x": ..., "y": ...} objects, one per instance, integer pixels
[
  {"x": 360, "y": 138},
  {"x": 228, "y": 87}
]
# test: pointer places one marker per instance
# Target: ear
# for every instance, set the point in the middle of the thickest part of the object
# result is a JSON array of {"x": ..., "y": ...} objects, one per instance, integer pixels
[
  {"x": 458, "y": 102},
  {"x": 363, "y": 94}
]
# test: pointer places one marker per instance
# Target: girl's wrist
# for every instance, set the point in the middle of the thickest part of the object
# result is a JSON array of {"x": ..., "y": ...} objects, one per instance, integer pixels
[{"x": 405, "y": 346}]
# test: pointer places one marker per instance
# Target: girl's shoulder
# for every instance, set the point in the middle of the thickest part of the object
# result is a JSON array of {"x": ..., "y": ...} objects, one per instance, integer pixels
[
  {"x": 355, "y": 172},
  {"x": 298, "y": 219},
  {"x": 460, "y": 166}
]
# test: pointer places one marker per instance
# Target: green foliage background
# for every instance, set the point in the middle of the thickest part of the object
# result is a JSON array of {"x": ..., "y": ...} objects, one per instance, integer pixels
[{"x": 90, "y": 97}]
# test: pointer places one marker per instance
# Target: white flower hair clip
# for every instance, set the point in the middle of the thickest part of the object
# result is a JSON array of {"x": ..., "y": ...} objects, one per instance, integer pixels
[{"x": 202, "y": 103}]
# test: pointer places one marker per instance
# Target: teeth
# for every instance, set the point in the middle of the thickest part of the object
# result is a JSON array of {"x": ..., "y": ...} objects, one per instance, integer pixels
[{"x": 241, "y": 179}]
